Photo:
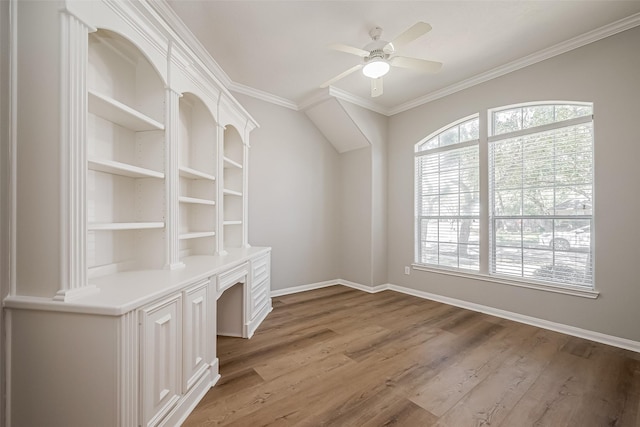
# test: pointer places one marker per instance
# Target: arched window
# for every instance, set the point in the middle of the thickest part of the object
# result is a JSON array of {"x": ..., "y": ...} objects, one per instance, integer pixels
[
  {"x": 447, "y": 196},
  {"x": 536, "y": 219}
]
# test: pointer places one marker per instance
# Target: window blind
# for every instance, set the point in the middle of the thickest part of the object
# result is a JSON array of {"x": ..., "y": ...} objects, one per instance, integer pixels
[
  {"x": 541, "y": 202},
  {"x": 447, "y": 205}
]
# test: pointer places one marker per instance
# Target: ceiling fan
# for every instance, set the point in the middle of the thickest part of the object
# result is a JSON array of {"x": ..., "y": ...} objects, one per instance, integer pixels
[{"x": 379, "y": 55}]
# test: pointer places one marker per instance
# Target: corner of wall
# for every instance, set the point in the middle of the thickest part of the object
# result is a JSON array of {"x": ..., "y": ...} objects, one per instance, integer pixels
[{"x": 5, "y": 224}]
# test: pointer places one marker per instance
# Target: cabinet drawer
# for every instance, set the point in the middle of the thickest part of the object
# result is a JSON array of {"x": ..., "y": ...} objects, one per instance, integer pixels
[
  {"x": 233, "y": 276},
  {"x": 260, "y": 268},
  {"x": 263, "y": 280},
  {"x": 259, "y": 297}
]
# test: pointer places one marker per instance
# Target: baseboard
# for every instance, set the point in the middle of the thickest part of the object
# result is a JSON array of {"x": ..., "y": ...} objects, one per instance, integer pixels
[
  {"x": 509, "y": 315},
  {"x": 303, "y": 288},
  {"x": 320, "y": 285},
  {"x": 529, "y": 320},
  {"x": 354, "y": 285}
]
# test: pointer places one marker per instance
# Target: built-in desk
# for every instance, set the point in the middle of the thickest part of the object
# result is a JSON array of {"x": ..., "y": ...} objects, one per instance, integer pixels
[{"x": 141, "y": 351}]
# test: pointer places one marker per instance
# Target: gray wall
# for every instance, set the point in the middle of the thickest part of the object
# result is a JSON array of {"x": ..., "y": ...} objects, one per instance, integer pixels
[
  {"x": 294, "y": 176},
  {"x": 38, "y": 200},
  {"x": 323, "y": 213},
  {"x": 5, "y": 137},
  {"x": 375, "y": 128},
  {"x": 605, "y": 73},
  {"x": 331, "y": 216},
  {"x": 355, "y": 216}
]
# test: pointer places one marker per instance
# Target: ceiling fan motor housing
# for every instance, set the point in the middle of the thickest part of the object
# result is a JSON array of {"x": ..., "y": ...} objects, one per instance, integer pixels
[
  {"x": 376, "y": 54},
  {"x": 377, "y": 47}
]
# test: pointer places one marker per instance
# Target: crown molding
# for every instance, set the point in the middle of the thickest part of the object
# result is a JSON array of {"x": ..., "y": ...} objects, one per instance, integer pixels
[
  {"x": 542, "y": 55},
  {"x": 182, "y": 35},
  {"x": 167, "y": 13},
  {"x": 555, "y": 50},
  {"x": 176, "y": 24},
  {"x": 262, "y": 95}
]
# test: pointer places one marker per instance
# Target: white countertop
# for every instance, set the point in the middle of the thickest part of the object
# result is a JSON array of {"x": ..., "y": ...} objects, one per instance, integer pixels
[{"x": 123, "y": 292}]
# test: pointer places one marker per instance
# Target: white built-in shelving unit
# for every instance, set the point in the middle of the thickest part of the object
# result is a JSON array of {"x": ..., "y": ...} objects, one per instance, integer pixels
[
  {"x": 131, "y": 251},
  {"x": 198, "y": 187},
  {"x": 125, "y": 158}
]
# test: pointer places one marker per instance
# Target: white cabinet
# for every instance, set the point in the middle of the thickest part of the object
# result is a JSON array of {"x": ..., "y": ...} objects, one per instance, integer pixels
[
  {"x": 135, "y": 179},
  {"x": 260, "y": 285},
  {"x": 160, "y": 358},
  {"x": 199, "y": 330},
  {"x": 153, "y": 354},
  {"x": 176, "y": 336}
]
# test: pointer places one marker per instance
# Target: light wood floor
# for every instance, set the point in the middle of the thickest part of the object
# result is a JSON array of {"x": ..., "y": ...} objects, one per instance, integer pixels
[{"x": 342, "y": 357}]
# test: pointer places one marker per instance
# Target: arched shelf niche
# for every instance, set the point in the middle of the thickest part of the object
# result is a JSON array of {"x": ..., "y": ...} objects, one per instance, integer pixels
[
  {"x": 198, "y": 175},
  {"x": 234, "y": 188},
  {"x": 126, "y": 206}
]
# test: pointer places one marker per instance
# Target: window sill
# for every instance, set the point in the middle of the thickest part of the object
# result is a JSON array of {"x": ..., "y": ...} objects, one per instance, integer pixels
[{"x": 575, "y": 291}]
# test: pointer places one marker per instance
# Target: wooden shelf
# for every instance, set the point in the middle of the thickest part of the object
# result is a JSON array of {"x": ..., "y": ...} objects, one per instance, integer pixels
[
  {"x": 228, "y": 192},
  {"x": 195, "y": 174},
  {"x": 232, "y": 222},
  {"x": 231, "y": 163},
  {"x": 121, "y": 114},
  {"x": 114, "y": 226},
  {"x": 196, "y": 201},
  {"x": 123, "y": 169},
  {"x": 197, "y": 234}
]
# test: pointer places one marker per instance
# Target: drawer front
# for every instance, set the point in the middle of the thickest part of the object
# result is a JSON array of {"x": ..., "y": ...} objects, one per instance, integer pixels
[
  {"x": 233, "y": 276},
  {"x": 260, "y": 268}
]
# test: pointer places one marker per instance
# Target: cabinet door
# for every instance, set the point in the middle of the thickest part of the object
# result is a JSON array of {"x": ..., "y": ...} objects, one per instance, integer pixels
[
  {"x": 197, "y": 332},
  {"x": 160, "y": 358}
]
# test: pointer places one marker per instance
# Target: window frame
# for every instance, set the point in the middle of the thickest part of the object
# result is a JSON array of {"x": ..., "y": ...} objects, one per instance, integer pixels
[{"x": 485, "y": 137}]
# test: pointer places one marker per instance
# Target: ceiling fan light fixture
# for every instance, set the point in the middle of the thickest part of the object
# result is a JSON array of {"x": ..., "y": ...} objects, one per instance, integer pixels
[{"x": 376, "y": 68}]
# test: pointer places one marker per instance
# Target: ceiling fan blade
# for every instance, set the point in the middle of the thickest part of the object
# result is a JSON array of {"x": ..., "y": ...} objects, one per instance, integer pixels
[
  {"x": 349, "y": 49},
  {"x": 416, "y": 30},
  {"x": 340, "y": 76},
  {"x": 376, "y": 87},
  {"x": 416, "y": 64}
]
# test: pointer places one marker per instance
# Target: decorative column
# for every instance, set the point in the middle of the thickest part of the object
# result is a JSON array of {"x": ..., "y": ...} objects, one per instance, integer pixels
[
  {"x": 172, "y": 180},
  {"x": 171, "y": 170},
  {"x": 245, "y": 185},
  {"x": 220, "y": 249},
  {"x": 73, "y": 159}
]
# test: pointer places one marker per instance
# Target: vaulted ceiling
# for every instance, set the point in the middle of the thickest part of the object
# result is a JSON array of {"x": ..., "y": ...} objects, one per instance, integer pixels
[{"x": 278, "y": 49}]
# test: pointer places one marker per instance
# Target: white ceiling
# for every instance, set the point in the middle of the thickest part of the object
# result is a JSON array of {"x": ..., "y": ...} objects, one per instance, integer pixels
[{"x": 280, "y": 47}]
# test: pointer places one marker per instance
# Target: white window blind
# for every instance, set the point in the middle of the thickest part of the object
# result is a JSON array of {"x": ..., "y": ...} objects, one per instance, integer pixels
[
  {"x": 541, "y": 194},
  {"x": 447, "y": 197}
]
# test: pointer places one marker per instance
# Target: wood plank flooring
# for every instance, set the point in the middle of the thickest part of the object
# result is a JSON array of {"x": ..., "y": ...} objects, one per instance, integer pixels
[{"x": 341, "y": 357}]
